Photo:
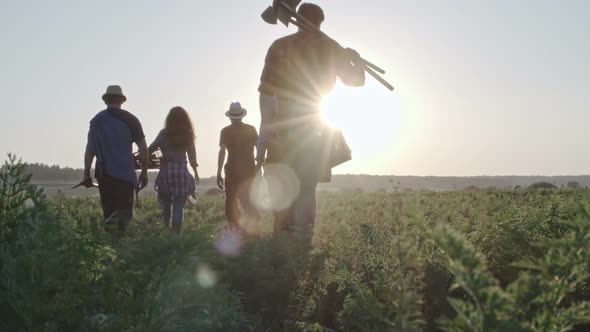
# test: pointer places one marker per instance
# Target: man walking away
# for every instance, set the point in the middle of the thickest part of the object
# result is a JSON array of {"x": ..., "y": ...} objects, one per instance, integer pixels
[
  {"x": 110, "y": 139},
  {"x": 299, "y": 70},
  {"x": 239, "y": 139}
]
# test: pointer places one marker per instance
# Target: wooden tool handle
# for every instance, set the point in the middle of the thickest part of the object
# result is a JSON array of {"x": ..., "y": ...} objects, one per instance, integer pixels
[
  {"x": 379, "y": 78},
  {"x": 303, "y": 23},
  {"x": 374, "y": 67}
]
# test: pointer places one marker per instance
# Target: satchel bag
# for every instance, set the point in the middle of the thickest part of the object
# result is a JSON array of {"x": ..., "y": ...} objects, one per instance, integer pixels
[
  {"x": 338, "y": 150},
  {"x": 335, "y": 151}
]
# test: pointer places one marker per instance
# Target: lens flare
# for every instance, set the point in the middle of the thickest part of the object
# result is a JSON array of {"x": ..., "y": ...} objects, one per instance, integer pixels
[
  {"x": 249, "y": 224},
  {"x": 206, "y": 277},
  {"x": 229, "y": 243},
  {"x": 276, "y": 189}
]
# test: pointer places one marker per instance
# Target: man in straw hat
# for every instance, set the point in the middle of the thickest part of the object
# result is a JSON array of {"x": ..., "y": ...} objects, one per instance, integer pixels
[
  {"x": 239, "y": 139},
  {"x": 299, "y": 70},
  {"x": 110, "y": 139}
]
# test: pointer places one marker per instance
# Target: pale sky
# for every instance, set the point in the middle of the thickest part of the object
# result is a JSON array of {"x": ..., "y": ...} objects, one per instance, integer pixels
[{"x": 496, "y": 87}]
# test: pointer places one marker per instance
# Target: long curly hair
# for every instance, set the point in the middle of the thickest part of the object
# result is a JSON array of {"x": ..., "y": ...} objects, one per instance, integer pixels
[{"x": 178, "y": 129}]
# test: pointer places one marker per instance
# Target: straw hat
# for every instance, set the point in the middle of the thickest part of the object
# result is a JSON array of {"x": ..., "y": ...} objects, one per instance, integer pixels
[
  {"x": 236, "y": 111},
  {"x": 114, "y": 90}
]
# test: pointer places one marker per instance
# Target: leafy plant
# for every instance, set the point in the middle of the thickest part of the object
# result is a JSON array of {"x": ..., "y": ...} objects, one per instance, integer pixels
[
  {"x": 381, "y": 262},
  {"x": 543, "y": 298}
]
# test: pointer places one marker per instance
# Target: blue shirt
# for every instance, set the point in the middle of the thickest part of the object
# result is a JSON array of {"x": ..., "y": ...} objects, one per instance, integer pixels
[{"x": 110, "y": 138}]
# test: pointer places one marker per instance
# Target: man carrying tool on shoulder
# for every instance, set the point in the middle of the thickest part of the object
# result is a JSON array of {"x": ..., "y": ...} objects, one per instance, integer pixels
[
  {"x": 110, "y": 139},
  {"x": 299, "y": 70}
]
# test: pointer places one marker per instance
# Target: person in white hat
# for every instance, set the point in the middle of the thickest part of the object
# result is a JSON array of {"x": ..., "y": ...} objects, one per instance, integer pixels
[
  {"x": 110, "y": 140},
  {"x": 239, "y": 139}
]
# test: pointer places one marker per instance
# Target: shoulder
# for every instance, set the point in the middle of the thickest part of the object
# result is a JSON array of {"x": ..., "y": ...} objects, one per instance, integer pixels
[
  {"x": 131, "y": 120},
  {"x": 284, "y": 39},
  {"x": 99, "y": 116},
  {"x": 224, "y": 131},
  {"x": 282, "y": 43},
  {"x": 128, "y": 115},
  {"x": 320, "y": 41}
]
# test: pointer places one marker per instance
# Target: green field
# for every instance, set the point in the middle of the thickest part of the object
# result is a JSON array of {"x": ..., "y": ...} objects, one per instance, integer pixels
[{"x": 415, "y": 261}]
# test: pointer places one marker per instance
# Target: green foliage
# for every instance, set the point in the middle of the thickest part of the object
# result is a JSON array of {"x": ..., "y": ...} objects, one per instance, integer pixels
[
  {"x": 372, "y": 266},
  {"x": 484, "y": 260},
  {"x": 542, "y": 185},
  {"x": 59, "y": 271},
  {"x": 542, "y": 298},
  {"x": 19, "y": 200}
]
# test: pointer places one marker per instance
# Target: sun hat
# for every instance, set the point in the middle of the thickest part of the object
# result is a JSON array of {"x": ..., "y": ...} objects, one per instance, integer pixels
[
  {"x": 236, "y": 111},
  {"x": 114, "y": 90}
]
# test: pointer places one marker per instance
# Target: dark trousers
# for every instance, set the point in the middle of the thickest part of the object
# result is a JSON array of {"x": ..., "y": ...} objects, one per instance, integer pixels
[
  {"x": 300, "y": 216},
  {"x": 116, "y": 198},
  {"x": 306, "y": 163},
  {"x": 237, "y": 192}
]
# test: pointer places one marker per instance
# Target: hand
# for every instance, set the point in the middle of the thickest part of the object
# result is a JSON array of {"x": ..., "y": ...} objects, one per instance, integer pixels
[
  {"x": 87, "y": 182},
  {"x": 354, "y": 56},
  {"x": 197, "y": 179},
  {"x": 219, "y": 181},
  {"x": 143, "y": 180}
]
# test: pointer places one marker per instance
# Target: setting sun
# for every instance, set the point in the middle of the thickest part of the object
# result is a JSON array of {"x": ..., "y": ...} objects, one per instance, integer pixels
[{"x": 372, "y": 121}]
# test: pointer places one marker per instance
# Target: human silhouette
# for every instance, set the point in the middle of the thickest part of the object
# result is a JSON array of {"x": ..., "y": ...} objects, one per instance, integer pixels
[
  {"x": 110, "y": 139},
  {"x": 174, "y": 183},
  {"x": 239, "y": 139},
  {"x": 299, "y": 70}
]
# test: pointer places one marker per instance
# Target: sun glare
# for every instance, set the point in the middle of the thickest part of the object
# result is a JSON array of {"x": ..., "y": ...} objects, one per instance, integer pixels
[{"x": 372, "y": 123}]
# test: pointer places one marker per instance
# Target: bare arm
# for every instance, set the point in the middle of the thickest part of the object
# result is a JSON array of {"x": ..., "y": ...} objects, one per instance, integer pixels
[
  {"x": 220, "y": 159},
  {"x": 220, "y": 162},
  {"x": 89, "y": 154},
  {"x": 270, "y": 72},
  {"x": 268, "y": 110},
  {"x": 88, "y": 159},
  {"x": 144, "y": 160},
  {"x": 192, "y": 160},
  {"x": 154, "y": 146}
]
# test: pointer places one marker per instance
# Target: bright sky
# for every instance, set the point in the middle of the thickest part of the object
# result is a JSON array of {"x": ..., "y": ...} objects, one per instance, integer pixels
[{"x": 482, "y": 87}]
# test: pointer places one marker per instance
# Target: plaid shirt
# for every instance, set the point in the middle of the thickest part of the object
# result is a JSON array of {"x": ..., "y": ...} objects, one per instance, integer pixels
[{"x": 175, "y": 179}]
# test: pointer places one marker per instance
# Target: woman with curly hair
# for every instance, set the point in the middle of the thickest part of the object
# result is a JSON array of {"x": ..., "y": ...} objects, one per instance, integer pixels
[{"x": 174, "y": 183}]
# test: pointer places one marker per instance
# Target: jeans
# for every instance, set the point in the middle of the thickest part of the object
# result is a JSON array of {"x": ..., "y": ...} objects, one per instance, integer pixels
[{"x": 172, "y": 206}]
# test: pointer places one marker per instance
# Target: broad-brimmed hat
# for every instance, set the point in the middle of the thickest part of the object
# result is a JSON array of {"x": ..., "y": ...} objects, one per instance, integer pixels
[
  {"x": 236, "y": 111},
  {"x": 114, "y": 90}
]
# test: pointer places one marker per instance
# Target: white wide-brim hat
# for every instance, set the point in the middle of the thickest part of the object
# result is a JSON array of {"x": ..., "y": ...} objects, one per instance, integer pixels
[
  {"x": 236, "y": 111},
  {"x": 114, "y": 90}
]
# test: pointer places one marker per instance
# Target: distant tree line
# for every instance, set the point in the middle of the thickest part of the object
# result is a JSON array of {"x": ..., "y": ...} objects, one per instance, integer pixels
[
  {"x": 57, "y": 174},
  {"x": 42, "y": 172},
  {"x": 356, "y": 183}
]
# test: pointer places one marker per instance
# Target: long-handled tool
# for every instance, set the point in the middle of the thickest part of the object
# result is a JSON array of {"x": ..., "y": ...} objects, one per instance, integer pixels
[{"x": 283, "y": 11}]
